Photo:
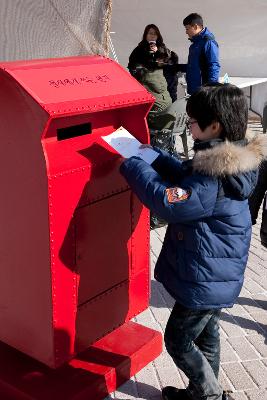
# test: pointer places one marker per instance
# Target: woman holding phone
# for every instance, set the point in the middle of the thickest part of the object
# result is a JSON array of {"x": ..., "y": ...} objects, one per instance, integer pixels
[{"x": 146, "y": 64}]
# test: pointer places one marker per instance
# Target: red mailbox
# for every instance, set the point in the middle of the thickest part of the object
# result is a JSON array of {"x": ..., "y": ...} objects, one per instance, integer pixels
[{"x": 74, "y": 241}]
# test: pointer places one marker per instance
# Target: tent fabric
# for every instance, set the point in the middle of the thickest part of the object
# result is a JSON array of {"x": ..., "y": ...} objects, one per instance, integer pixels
[{"x": 55, "y": 28}]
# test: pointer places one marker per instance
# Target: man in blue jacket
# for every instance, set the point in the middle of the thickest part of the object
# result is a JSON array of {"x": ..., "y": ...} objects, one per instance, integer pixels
[
  {"x": 205, "y": 249},
  {"x": 203, "y": 59}
]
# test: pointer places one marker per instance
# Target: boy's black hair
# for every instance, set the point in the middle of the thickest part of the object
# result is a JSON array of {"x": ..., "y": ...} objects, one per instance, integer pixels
[
  {"x": 223, "y": 103},
  {"x": 193, "y": 19}
]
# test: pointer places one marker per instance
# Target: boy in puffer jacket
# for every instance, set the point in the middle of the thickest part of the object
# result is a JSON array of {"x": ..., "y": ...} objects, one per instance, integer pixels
[{"x": 206, "y": 245}]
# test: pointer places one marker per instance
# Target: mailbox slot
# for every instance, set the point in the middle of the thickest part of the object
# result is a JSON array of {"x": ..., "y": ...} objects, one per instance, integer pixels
[{"x": 74, "y": 131}]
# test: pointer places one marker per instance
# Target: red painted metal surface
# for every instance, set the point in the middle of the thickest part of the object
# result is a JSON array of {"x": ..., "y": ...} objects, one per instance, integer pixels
[
  {"x": 89, "y": 376},
  {"x": 74, "y": 240}
]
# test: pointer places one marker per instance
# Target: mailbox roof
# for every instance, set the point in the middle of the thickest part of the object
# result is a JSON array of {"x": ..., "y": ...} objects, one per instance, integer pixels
[{"x": 75, "y": 84}]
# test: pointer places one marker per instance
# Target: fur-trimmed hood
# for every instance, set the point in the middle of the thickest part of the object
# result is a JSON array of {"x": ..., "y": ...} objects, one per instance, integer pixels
[{"x": 228, "y": 158}]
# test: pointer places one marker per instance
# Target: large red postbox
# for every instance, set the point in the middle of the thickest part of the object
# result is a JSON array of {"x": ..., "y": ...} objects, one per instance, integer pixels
[{"x": 74, "y": 242}]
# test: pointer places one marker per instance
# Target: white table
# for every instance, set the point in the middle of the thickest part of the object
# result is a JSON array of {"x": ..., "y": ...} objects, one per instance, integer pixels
[{"x": 244, "y": 82}]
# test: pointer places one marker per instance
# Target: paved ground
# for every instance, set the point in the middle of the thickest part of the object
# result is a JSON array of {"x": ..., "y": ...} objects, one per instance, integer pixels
[{"x": 243, "y": 333}]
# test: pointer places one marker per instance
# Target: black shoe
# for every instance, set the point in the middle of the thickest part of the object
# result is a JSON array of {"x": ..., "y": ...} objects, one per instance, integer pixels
[
  {"x": 156, "y": 222},
  {"x": 226, "y": 396},
  {"x": 172, "y": 393}
]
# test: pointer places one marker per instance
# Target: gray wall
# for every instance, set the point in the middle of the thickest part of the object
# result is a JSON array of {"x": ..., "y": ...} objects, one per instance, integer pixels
[
  {"x": 240, "y": 26},
  {"x": 53, "y": 28}
]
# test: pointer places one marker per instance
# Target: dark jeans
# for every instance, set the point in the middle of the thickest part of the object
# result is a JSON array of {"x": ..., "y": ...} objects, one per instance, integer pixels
[
  {"x": 258, "y": 194},
  {"x": 255, "y": 202},
  {"x": 192, "y": 339}
]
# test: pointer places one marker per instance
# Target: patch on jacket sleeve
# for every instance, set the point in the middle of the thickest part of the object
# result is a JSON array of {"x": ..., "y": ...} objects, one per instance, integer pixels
[{"x": 177, "y": 194}]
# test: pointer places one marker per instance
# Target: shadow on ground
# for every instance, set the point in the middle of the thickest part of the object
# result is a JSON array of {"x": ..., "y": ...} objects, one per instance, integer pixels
[{"x": 144, "y": 392}]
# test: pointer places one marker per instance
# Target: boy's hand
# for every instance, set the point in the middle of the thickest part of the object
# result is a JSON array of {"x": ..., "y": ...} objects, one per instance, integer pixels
[{"x": 146, "y": 146}]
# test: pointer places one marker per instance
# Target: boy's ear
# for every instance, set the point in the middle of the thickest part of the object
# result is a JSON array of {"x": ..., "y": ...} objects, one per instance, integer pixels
[{"x": 216, "y": 128}]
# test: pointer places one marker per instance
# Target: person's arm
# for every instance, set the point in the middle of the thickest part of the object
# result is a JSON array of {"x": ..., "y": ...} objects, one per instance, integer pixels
[
  {"x": 180, "y": 68},
  {"x": 168, "y": 167},
  {"x": 134, "y": 60},
  {"x": 211, "y": 53},
  {"x": 195, "y": 200},
  {"x": 163, "y": 54}
]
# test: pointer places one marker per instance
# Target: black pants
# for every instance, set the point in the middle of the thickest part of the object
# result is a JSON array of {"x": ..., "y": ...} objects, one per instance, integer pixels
[{"x": 256, "y": 199}]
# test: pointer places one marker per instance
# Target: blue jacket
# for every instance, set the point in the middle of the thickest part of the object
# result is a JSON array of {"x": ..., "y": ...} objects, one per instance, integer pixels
[
  {"x": 203, "y": 61},
  {"x": 206, "y": 245}
]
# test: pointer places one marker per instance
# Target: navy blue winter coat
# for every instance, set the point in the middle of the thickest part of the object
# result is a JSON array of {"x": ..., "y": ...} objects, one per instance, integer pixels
[
  {"x": 203, "y": 61},
  {"x": 206, "y": 245}
]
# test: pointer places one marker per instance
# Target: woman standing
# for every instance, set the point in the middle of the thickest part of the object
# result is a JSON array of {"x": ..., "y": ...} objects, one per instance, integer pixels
[{"x": 146, "y": 64}]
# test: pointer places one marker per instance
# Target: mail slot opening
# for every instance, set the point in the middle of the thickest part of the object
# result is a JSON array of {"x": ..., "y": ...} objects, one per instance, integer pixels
[{"x": 74, "y": 131}]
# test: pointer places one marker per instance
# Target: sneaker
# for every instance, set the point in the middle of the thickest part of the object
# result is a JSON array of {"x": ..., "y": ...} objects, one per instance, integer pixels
[{"x": 172, "y": 393}]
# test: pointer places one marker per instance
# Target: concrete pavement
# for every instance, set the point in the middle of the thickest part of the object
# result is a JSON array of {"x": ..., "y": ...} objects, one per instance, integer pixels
[{"x": 243, "y": 332}]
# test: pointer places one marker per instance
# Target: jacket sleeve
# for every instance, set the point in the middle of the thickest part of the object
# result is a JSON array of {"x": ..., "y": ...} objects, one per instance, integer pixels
[
  {"x": 134, "y": 59},
  {"x": 180, "y": 68},
  {"x": 150, "y": 188},
  {"x": 163, "y": 53},
  {"x": 211, "y": 51},
  {"x": 168, "y": 167}
]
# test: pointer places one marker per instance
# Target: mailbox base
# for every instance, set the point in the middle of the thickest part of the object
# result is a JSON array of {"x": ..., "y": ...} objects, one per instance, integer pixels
[{"x": 93, "y": 374}]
